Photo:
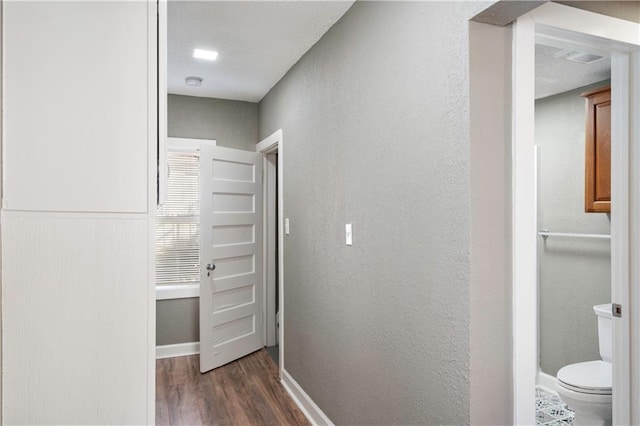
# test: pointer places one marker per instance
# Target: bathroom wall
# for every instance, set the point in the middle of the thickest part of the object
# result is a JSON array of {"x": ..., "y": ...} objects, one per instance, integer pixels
[
  {"x": 575, "y": 274},
  {"x": 233, "y": 124}
]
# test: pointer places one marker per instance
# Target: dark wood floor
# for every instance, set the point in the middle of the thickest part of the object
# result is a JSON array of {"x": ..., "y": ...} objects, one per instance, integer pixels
[{"x": 244, "y": 392}]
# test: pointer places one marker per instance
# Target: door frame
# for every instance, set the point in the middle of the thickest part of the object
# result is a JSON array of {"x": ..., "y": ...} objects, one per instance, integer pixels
[
  {"x": 270, "y": 145},
  {"x": 270, "y": 236},
  {"x": 156, "y": 51},
  {"x": 570, "y": 27}
]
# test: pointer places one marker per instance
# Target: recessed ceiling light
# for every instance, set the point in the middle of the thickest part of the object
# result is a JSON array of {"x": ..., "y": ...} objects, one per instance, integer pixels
[
  {"x": 209, "y": 55},
  {"x": 193, "y": 81}
]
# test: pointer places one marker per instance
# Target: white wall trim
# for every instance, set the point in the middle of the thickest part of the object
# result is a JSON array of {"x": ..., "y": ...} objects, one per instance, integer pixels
[
  {"x": 269, "y": 248},
  {"x": 309, "y": 408},
  {"x": 561, "y": 22},
  {"x": 524, "y": 243},
  {"x": 270, "y": 144},
  {"x": 179, "y": 349},
  {"x": 546, "y": 381},
  {"x": 633, "y": 295},
  {"x": 621, "y": 199},
  {"x": 273, "y": 143},
  {"x": 163, "y": 121},
  {"x": 156, "y": 111},
  {"x": 166, "y": 292}
]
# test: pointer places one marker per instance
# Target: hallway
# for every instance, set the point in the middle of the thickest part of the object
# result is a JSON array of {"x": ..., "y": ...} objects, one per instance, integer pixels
[{"x": 243, "y": 392}]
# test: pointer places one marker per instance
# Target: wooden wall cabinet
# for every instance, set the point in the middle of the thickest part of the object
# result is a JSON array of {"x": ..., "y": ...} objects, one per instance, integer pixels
[{"x": 597, "y": 188}]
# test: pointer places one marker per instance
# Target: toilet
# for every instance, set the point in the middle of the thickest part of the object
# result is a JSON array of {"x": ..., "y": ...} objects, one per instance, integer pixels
[{"x": 586, "y": 386}]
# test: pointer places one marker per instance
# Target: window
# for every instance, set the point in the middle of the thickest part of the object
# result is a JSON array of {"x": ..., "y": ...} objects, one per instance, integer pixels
[{"x": 178, "y": 223}]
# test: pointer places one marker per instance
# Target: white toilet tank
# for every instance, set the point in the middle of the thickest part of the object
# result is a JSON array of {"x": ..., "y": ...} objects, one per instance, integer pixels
[{"x": 604, "y": 330}]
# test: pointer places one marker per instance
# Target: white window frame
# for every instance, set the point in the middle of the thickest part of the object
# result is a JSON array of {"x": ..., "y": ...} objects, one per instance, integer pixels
[{"x": 167, "y": 292}]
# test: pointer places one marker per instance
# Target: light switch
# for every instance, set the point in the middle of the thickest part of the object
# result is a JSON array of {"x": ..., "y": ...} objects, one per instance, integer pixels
[
  {"x": 286, "y": 226},
  {"x": 348, "y": 234}
]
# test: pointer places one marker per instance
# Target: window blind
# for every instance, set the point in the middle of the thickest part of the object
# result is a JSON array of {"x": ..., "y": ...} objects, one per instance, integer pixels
[{"x": 178, "y": 223}]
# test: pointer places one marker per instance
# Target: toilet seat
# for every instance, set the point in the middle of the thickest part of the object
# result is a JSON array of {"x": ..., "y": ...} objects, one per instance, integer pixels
[{"x": 592, "y": 377}]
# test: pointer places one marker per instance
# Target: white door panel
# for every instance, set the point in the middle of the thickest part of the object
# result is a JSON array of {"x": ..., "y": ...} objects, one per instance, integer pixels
[
  {"x": 76, "y": 129},
  {"x": 231, "y": 239}
]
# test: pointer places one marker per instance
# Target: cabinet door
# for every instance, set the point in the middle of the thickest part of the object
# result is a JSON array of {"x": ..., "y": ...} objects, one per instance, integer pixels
[
  {"x": 76, "y": 106},
  {"x": 598, "y": 152}
]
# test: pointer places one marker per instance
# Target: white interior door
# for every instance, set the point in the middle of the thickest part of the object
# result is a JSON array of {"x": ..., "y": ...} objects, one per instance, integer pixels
[{"x": 231, "y": 239}]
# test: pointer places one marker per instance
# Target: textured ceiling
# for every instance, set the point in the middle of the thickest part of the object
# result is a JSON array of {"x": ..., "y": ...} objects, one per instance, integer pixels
[
  {"x": 257, "y": 43},
  {"x": 560, "y": 75}
]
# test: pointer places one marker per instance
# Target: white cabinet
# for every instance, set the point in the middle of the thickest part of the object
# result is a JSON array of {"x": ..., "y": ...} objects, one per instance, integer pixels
[
  {"x": 76, "y": 105},
  {"x": 79, "y": 159}
]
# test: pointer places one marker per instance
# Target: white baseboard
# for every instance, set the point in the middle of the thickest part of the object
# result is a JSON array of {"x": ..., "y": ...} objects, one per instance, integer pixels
[
  {"x": 304, "y": 402},
  {"x": 546, "y": 381},
  {"x": 180, "y": 349}
]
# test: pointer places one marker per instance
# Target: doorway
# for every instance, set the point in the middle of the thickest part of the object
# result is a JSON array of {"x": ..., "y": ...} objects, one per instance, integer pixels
[
  {"x": 573, "y": 253},
  {"x": 272, "y": 149},
  {"x": 569, "y": 28},
  {"x": 270, "y": 191}
]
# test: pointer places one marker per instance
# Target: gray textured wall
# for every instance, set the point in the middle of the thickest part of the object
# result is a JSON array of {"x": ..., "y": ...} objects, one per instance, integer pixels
[
  {"x": 233, "y": 124},
  {"x": 177, "y": 321},
  {"x": 376, "y": 132},
  {"x": 575, "y": 274}
]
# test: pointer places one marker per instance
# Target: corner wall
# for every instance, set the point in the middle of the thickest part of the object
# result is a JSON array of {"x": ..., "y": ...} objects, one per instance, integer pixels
[{"x": 376, "y": 122}]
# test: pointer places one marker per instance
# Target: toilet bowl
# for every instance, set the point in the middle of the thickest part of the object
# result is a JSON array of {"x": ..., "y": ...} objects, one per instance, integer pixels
[
  {"x": 586, "y": 386},
  {"x": 586, "y": 389}
]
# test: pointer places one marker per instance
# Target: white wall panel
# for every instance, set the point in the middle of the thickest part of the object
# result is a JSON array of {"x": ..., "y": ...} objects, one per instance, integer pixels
[
  {"x": 75, "y": 319},
  {"x": 490, "y": 280},
  {"x": 78, "y": 165},
  {"x": 76, "y": 106}
]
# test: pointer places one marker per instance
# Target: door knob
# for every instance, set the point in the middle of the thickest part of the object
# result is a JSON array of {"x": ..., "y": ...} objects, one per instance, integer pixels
[{"x": 210, "y": 267}]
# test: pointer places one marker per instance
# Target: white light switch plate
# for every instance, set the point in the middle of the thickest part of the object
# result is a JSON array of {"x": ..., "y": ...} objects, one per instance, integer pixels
[
  {"x": 348, "y": 234},
  {"x": 286, "y": 226}
]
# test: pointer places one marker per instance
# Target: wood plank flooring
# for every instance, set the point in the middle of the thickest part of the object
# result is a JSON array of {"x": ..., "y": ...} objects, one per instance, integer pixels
[{"x": 244, "y": 392}]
